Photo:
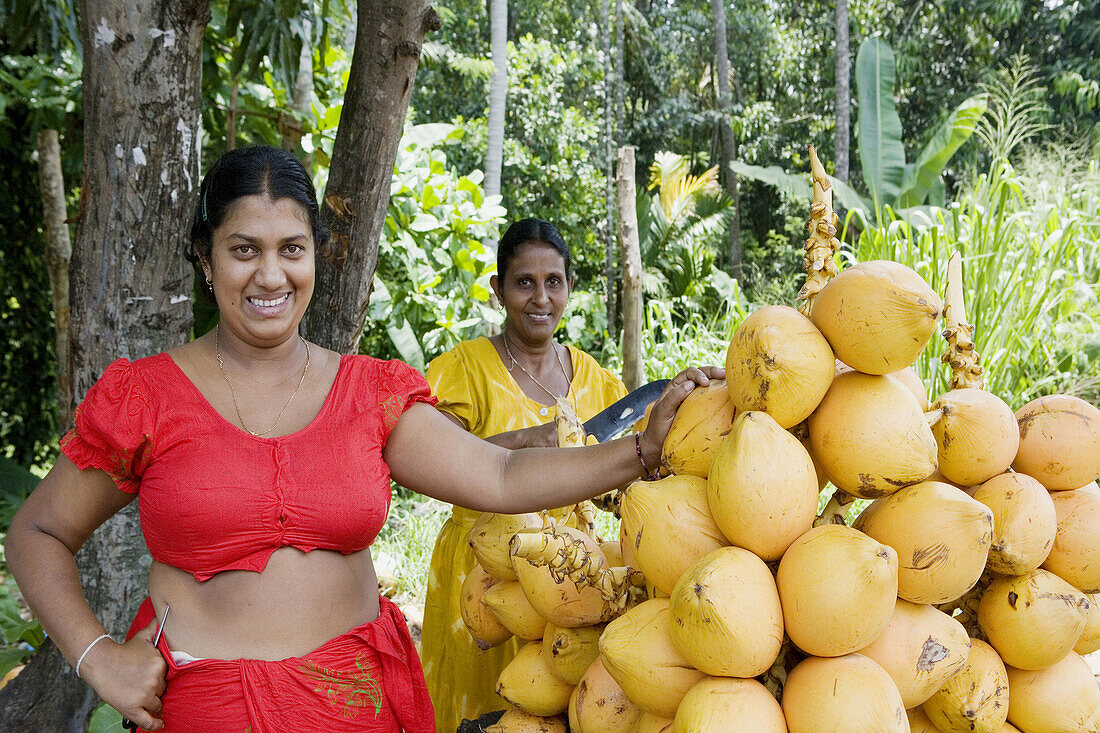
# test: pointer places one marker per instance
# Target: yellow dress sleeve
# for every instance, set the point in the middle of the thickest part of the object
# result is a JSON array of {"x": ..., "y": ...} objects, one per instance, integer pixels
[{"x": 450, "y": 383}]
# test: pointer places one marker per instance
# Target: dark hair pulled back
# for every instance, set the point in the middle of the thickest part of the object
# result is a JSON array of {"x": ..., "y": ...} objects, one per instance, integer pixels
[
  {"x": 531, "y": 230},
  {"x": 250, "y": 171}
]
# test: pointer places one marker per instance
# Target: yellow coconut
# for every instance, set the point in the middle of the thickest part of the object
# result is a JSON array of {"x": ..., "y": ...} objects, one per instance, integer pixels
[
  {"x": 489, "y": 539},
  {"x": 976, "y": 435},
  {"x": 639, "y": 654},
  {"x": 919, "y": 722},
  {"x": 941, "y": 536},
  {"x": 1024, "y": 522},
  {"x": 1089, "y": 640},
  {"x": 701, "y": 421},
  {"x": 518, "y": 721},
  {"x": 613, "y": 551},
  {"x": 668, "y": 525},
  {"x": 762, "y": 488},
  {"x": 907, "y": 376},
  {"x": 975, "y": 699},
  {"x": 599, "y": 705},
  {"x": 626, "y": 546},
  {"x": 779, "y": 363},
  {"x": 877, "y": 316},
  {"x": 725, "y": 614},
  {"x": 563, "y": 604},
  {"x": 850, "y": 693},
  {"x": 650, "y": 723},
  {"x": 528, "y": 683},
  {"x": 1075, "y": 556},
  {"x": 508, "y": 603},
  {"x": 1032, "y": 620},
  {"x": 483, "y": 625},
  {"x": 838, "y": 588},
  {"x": 572, "y": 651},
  {"x": 1059, "y": 441},
  {"x": 920, "y": 648},
  {"x": 1063, "y": 698},
  {"x": 871, "y": 437},
  {"x": 727, "y": 705}
]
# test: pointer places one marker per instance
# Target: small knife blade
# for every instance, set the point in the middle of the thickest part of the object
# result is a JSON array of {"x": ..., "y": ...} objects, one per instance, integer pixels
[{"x": 624, "y": 413}]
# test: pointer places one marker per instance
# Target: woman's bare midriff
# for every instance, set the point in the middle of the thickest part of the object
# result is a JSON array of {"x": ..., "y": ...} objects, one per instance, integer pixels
[{"x": 299, "y": 601}]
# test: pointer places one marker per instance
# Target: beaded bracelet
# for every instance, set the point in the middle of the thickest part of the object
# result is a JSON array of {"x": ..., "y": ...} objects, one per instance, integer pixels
[
  {"x": 646, "y": 473},
  {"x": 88, "y": 649}
]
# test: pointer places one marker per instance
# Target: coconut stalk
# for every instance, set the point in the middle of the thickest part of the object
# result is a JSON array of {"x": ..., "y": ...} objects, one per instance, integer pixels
[
  {"x": 567, "y": 558},
  {"x": 822, "y": 243},
  {"x": 836, "y": 511},
  {"x": 967, "y": 606},
  {"x": 960, "y": 354}
]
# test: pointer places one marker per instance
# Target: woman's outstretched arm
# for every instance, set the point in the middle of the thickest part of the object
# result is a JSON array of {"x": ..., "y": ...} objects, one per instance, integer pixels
[{"x": 430, "y": 454}]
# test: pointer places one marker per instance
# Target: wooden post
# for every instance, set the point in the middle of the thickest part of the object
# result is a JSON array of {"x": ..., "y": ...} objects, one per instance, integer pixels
[{"x": 631, "y": 256}]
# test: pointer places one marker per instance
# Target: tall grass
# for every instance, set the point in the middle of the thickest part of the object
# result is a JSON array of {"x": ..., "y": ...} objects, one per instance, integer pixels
[{"x": 1028, "y": 243}]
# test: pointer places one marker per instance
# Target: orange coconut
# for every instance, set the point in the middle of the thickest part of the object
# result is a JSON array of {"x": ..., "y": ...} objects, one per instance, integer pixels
[
  {"x": 907, "y": 376},
  {"x": 518, "y": 721},
  {"x": 563, "y": 603},
  {"x": 870, "y": 436},
  {"x": 1032, "y": 620},
  {"x": 779, "y": 363},
  {"x": 702, "y": 420},
  {"x": 599, "y": 705},
  {"x": 850, "y": 693},
  {"x": 728, "y": 705},
  {"x": 920, "y": 648},
  {"x": 1059, "y": 441},
  {"x": 940, "y": 534},
  {"x": 838, "y": 588},
  {"x": 725, "y": 614},
  {"x": 1075, "y": 556},
  {"x": 877, "y": 316},
  {"x": 1024, "y": 522},
  {"x": 762, "y": 489},
  {"x": 481, "y": 622},
  {"x": 1063, "y": 698},
  {"x": 638, "y": 653},
  {"x": 976, "y": 434},
  {"x": 508, "y": 603},
  {"x": 668, "y": 526},
  {"x": 975, "y": 699}
]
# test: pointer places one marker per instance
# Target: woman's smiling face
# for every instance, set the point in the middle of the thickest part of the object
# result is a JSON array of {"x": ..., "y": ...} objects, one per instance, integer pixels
[
  {"x": 262, "y": 263},
  {"x": 534, "y": 291}
]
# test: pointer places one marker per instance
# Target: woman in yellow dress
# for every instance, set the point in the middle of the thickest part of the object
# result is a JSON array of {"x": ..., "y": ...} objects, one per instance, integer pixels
[{"x": 503, "y": 389}]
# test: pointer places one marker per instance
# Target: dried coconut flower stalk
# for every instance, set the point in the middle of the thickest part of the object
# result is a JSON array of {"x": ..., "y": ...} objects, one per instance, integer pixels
[
  {"x": 822, "y": 243},
  {"x": 568, "y": 558},
  {"x": 966, "y": 371}
]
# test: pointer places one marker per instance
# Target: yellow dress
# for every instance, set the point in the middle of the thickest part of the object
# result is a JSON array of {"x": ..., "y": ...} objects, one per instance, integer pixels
[{"x": 472, "y": 384}]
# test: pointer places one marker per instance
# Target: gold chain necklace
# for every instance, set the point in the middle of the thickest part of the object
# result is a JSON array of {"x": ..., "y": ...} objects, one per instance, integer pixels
[
  {"x": 221, "y": 366},
  {"x": 515, "y": 363}
]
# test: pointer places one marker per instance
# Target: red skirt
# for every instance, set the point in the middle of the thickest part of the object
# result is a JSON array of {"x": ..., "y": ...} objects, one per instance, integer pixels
[{"x": 368, "y": 680}]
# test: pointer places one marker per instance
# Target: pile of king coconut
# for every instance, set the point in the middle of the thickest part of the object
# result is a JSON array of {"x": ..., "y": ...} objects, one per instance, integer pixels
[{"x": 962, "y": 598}]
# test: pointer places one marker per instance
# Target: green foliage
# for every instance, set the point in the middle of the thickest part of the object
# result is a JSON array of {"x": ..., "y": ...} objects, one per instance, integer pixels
[
  {"x": 431, "y": 288},
  {"x": 105, "y": 719},
  {"x": 880, "y": 148}
]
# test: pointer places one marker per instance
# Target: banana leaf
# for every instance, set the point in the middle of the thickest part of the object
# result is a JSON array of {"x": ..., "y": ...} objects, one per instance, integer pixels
[
  {"x": 948, "y": 137},
  {"x": 880, "y": 148},
  {"x": 798, "y": 186}
]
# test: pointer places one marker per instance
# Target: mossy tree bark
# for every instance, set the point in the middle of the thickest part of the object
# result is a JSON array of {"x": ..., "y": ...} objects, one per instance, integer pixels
[
  {"x": 388, "y": 40},
  {"x": 130, "y": 290}
]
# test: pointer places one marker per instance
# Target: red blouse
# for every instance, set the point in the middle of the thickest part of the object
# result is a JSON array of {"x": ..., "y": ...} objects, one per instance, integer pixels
[{"x": 211, "y": 496}]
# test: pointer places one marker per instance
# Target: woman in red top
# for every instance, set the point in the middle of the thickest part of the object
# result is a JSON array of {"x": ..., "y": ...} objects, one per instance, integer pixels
[{"x": 261, "y": 464}]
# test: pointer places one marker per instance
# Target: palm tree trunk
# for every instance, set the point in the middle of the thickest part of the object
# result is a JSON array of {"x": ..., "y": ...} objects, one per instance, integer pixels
[
  {"x": 843, "y": 93},
  {"x": 729, "y": 144},
  {"x": 610, "y": 268},
  {"x": 59, "y": 249},
  {"x": 498, "y": 96},
  {"x": 631, "y": 255}
]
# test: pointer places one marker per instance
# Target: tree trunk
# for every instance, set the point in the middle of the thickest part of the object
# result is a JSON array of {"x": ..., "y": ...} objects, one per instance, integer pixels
[
  {"x": 498, "y": 96},
  {"x": 843, "y": 92},
  {"x": 130, "y": 287},
  {"x": 729, "y": 144},
  {"x": 619, "y": 73},
  {"x": 387, "y": 48},
  {"x": 291, "y": 126},
  {"x": 59, "y": 249},
  {"x": 609, "y": 268},
  {"x": 631, "y": 255}
]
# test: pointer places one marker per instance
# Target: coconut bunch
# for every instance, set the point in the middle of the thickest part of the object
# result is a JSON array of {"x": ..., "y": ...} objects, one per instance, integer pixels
[{"x": 548, "y": 579}]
